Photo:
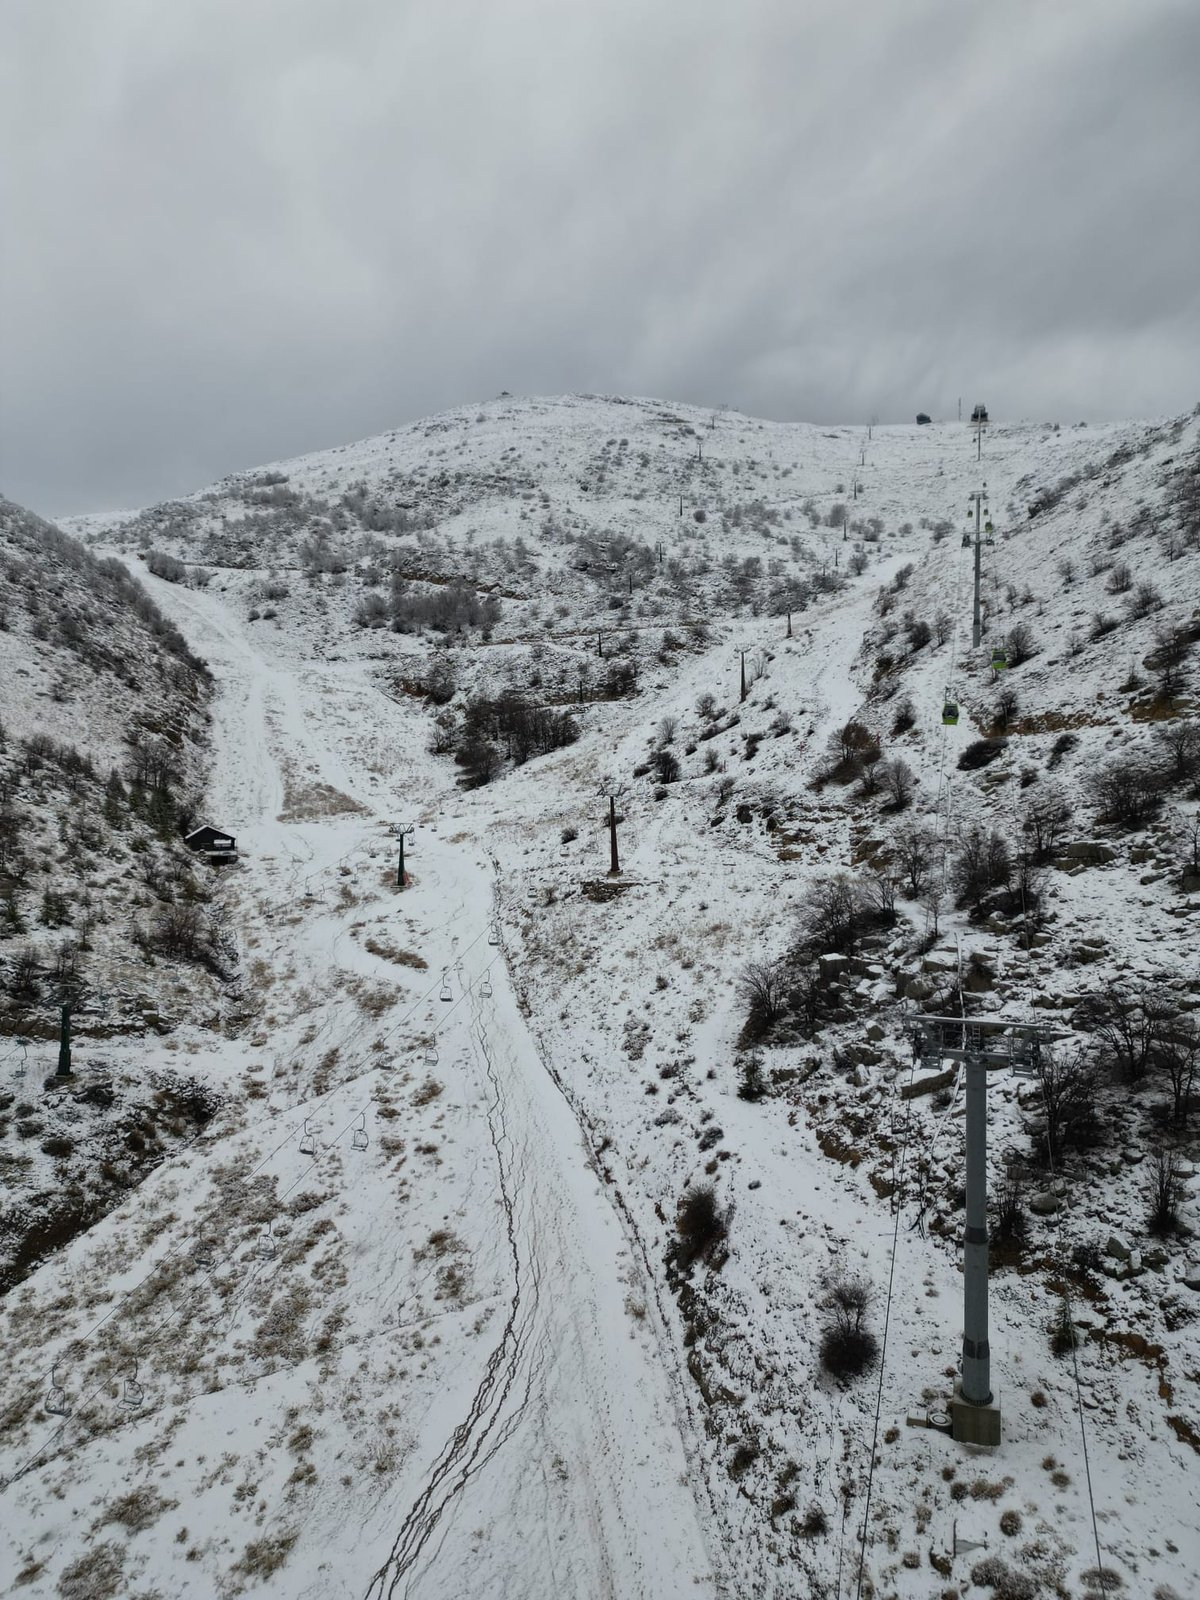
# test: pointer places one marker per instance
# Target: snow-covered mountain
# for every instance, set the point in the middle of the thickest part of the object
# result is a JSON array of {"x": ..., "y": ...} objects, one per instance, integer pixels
[
  {"x": 438, "y": 1304},
  {"x": 103, "y": 735}
]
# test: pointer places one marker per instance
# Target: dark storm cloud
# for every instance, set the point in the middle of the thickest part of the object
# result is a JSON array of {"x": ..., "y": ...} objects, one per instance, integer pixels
[{"x": 237, "y": 231}]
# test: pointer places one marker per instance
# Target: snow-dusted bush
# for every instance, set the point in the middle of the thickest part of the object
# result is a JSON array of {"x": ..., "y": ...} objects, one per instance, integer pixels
[
  {"x": 1128, "y": 791},
  {"x": 701, "y": 1226},
  {"x": 169, "y": 568},
  {"x": 981, "y": 753},
  {"x": 983, "y": 862},
  {"x": 762, "y": 986},
  {"x": 848, "y": 1347}
]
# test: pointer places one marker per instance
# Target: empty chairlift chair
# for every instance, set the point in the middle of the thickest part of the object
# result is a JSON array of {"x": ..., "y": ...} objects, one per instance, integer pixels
[
  {"x": 358, "y": 1139},
  {"x": 308, "y": 1141},
  {"x": 446, "y": 992},
  {"x": 56, "y": 1401},
  {"x": 134, "y": 1393}
]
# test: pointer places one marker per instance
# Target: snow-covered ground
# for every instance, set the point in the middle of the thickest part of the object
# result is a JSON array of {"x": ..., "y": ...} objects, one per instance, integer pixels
[{"x": 458, "y": 1359}]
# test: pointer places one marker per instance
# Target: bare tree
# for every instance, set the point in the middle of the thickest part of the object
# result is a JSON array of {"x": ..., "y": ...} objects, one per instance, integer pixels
[
  {"x": 1172, "y": 646},
  {"x": 896, "y": 777},
  {"x": 913, "y": 849},
  {"x": 1130, "y": 1025},
  {"x": 1177, "y": 1053},
  {"x": 983, "y": 862},
  {"x": 1166, "y": 1192},
  {"x": 831, "y": 917},
  {"x": 878, "y": 896},
  {"x": 1068, "y": 1099},
  {"x": 1179, "y": 740},
  {"x": 1021, "y": 644},
  {"x": 1046, "y": 817},
  {"x": 1008, "y": 703},
  {"x": 763, "y": 986},
  {"x": 1128, "y": 791}
]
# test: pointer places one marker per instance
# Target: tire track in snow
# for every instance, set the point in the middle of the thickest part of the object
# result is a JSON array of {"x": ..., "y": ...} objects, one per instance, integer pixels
[{"x": 488, "y": 1423}]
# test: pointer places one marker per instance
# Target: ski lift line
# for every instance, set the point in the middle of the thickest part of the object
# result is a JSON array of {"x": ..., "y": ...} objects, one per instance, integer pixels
[
  {"x": 887, "y": 1317},
  {"x": 1087, "y": 1468}
]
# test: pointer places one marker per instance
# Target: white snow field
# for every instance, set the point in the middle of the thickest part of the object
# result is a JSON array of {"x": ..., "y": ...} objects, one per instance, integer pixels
[{"x": 405, "y": 1321}]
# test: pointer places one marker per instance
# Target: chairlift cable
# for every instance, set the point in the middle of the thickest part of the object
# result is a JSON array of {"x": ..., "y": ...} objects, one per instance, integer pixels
[
  {"x": 887, "y": 1317},
  {"x": 1066, "y": 1296}
]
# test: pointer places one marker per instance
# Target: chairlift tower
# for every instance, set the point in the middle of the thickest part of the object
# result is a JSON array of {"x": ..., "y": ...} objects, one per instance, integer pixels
[
  {"x": 980, "y": 1043},
  {"x": 400, "y": 873},
  {"x": 978, "y": 499}
]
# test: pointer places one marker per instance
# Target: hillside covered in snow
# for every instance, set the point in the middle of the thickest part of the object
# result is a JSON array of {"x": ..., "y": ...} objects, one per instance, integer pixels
[{"x": 552, "y": 1230}]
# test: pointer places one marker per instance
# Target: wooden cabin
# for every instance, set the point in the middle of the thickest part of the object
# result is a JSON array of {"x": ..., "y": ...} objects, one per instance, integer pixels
[{"x": 211, "y": 843}]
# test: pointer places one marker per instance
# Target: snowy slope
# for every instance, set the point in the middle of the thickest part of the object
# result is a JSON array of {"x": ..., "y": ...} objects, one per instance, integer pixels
[{"x": 461, "y": 1359}]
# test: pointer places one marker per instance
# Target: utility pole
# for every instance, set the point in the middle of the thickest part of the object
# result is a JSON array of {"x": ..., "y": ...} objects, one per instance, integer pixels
[
  {"x": 979, "y": 439},
  {"x": 977, "y": 497},
  {"x": 64, "y": 1042},
  {"x": 980, "y": 1043},
  {"x": 789, "y": 617},
  {"x": 742, "y": 653},
  {"x": 614, "y": 868},
  {"x": 680, "y": 505}
]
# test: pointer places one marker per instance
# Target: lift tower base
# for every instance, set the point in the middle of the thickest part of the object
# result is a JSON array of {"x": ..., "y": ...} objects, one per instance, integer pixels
[{"x": 974, "y": 1424}]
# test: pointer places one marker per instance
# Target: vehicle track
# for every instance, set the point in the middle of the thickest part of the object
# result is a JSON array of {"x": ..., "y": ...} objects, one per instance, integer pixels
[{"x": 489, "y": 1422}]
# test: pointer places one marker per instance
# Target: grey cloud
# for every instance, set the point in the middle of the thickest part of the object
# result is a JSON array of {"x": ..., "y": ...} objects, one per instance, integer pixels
[{"x": 238, "y": 232}]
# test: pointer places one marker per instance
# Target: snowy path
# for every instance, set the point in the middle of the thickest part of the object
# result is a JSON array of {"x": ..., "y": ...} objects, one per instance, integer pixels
[{"x": 552, "y": 1464}]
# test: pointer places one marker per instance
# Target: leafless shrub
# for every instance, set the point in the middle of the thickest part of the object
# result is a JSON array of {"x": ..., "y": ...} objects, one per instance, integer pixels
[
  {"x": 914, "y": 849},
  {"x": 848, "y": 1347},
  {"x": 1046, "y": 817},
  {"x": 1179, "y": 740},
  {"x": 896, "y": 779},
  {"x": 1021, "y": 644},
  {"x": 701, "y": 1226},
  {"x": 1130, "y": 1025},
  {"x": 983, "y": 862},
  {"x": 1127, "y": 791},
  {"x": 1166, "y": 1193},
  {"x": 762, "y": 985},
  {"x": 1144, "y": 600},
  {"x": 831, "y": 915}
]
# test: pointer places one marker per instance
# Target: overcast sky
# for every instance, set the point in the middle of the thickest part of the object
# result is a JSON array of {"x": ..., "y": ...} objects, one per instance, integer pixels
[{"x": 234, "y": 230}]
